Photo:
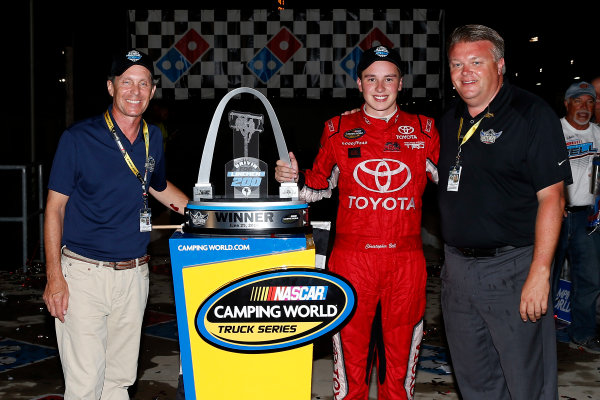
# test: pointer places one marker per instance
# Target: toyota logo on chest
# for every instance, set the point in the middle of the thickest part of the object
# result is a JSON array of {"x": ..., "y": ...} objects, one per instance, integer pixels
[{"x": 383, "y": 175}]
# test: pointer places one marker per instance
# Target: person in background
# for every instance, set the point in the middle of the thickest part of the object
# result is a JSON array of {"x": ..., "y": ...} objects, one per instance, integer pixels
[
  {"x": 502, "y": 169},
  {"x": 580, "y": 247},
  {"x": 379, "y": 158},
  {"x": 97, "y": 229},
  {"x": 596, "y": 84}
]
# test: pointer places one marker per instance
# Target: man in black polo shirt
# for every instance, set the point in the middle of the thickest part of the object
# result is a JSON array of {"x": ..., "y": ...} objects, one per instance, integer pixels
[{"x": 503, "y": 165}]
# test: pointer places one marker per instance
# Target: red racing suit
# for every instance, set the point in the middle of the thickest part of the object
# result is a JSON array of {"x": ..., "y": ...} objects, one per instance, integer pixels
[{"x": 380, "y": 169}]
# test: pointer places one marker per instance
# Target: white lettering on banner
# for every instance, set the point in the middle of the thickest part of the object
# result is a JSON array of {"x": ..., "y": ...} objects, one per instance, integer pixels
[
  {"x": 388, "y": 203},
  {"x": 563, "y": 302},
  {"x": 247, "y": 312},
  {"x": 213, "y": 247},
  {"x": 290, "y": 311},
  {"x": 312, "y": 311}
]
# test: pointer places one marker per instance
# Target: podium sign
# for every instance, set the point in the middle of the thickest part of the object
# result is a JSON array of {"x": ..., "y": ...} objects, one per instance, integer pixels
[{"x": 201, "y": 267}]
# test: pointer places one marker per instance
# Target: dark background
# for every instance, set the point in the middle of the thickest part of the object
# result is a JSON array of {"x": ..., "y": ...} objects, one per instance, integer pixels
[{"x": 36, "y": 33}]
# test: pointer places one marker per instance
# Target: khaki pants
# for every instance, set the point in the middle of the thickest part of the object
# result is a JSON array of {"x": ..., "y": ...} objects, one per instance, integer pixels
[{"x": 100, "y": 338}]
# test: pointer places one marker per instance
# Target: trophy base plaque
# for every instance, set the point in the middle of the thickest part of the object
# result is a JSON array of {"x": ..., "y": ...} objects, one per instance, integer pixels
[{"x": 265, "y": 216}]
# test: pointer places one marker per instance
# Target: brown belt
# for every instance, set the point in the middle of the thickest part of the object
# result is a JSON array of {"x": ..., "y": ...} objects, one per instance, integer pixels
[{"x": 118, "y": 265}]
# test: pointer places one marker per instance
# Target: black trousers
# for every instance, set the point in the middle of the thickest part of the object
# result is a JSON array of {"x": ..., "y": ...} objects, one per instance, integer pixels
[{"x": 495, "y": 355}]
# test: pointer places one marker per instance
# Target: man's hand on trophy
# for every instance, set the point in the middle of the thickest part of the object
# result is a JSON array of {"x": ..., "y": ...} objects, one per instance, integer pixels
[{"x": 287, "y": 172}]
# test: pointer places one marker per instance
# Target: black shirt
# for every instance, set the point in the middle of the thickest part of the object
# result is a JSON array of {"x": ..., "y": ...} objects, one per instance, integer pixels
[{"x": 516, "y": 151}]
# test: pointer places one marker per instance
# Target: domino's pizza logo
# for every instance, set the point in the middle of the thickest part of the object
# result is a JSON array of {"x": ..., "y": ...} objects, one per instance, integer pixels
[
  {"x": 373, "y": 38},
  {"x": 271, "y": 58},
  {"x": 178, "y": 60}
]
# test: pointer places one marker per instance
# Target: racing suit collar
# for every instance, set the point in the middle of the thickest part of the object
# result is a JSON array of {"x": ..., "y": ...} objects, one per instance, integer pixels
[{"x": 386, "y": 119}]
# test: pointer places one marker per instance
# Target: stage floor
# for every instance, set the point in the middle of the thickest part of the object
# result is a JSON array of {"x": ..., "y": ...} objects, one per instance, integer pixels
[{"x": 30, "y": 367}]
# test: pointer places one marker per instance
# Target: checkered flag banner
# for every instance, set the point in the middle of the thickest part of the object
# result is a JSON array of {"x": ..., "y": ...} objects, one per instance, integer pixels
[{"x": 291, "y": 53}]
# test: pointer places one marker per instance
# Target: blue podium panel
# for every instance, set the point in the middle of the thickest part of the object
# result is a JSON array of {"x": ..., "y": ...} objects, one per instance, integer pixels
[{"x": 202, "y": 266}]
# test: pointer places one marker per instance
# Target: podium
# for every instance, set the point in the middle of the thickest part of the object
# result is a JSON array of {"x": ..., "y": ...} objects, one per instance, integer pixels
[
  {"x": 248, "y": 298},
  {"x": 202, "y": 265}
]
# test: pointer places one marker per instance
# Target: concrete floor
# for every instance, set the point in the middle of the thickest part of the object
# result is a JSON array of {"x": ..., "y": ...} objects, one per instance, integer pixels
[{"x": 30, "y": 367}]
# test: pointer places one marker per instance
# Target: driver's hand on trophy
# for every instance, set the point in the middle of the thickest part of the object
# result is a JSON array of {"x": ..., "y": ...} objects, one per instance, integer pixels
[{"x": 287, "y": 172}]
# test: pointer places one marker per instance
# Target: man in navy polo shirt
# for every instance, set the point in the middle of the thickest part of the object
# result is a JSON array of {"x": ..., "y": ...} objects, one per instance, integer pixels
[{"x": 97, "y": 229}]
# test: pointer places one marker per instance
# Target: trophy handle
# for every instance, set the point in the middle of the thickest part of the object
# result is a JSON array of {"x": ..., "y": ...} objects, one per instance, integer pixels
[{"x": 203, "y": 188}]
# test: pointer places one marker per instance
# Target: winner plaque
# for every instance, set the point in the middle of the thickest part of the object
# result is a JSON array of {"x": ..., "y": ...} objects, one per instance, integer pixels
[{"x": 246, "y": 207}]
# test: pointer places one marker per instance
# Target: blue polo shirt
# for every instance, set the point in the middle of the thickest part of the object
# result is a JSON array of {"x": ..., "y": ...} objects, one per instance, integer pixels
[{"x": 102, "y": 216}]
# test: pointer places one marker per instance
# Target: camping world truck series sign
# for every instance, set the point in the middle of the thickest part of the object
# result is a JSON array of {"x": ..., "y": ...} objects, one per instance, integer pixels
[{"x": 275, "y": 310}]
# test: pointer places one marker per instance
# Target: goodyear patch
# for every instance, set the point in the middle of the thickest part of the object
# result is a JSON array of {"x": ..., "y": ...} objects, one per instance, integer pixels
[{"x": 275, "y": 310}]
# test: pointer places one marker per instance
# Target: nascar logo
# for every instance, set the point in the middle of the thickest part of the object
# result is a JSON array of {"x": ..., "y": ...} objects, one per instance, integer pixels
[
  {"x": 289, "y": 293},
  {"x": 275, "y": 310}
]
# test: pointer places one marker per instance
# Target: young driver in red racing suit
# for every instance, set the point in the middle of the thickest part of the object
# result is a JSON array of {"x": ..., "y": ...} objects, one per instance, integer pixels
[{"x": 379, "y": 159}]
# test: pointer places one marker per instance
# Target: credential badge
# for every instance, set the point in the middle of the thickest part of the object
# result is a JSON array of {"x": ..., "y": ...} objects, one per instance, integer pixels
[{"x": 150, "y": 164}]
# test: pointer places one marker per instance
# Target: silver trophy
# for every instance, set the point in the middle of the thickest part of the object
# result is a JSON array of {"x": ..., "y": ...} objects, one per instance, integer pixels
[{"x": 246, "y": 206}]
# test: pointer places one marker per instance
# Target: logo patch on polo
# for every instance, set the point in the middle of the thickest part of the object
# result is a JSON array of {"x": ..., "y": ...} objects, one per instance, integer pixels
[{"x": 489, "y": 136}]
